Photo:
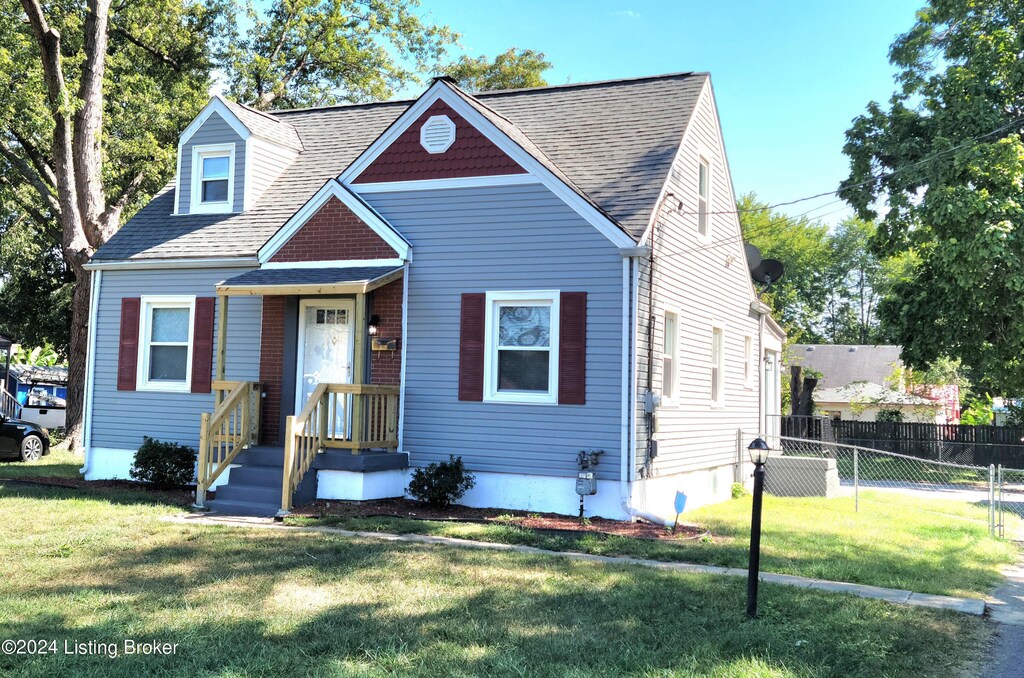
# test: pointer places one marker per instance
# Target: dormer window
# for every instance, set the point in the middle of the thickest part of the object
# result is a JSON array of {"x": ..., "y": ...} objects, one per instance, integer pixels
[{"x": 213, "y": 172}]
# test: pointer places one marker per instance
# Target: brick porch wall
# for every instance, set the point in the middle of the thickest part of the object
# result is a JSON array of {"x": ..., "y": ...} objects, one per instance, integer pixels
[
  {"x": 271, "y": 368},
  {"x": 386, "y": 366}
]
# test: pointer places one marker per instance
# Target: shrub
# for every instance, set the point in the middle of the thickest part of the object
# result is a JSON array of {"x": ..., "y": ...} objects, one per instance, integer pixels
[
  {"x": 739, "y": 490},
  {"x": 164, "y": 465},
  {"x": 441, "y": 484},
  {"x": 891, "y": 416}
]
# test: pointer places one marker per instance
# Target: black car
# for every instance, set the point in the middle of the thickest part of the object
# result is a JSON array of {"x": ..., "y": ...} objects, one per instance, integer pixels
[{"x": 22, "y": 440}]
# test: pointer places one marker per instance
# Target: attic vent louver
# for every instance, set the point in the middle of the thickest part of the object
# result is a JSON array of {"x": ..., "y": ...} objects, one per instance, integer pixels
[{"x": 437, "y": 134}]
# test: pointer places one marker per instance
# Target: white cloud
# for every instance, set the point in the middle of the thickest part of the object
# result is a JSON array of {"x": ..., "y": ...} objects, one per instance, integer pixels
[{"x": 625, "y": 13}]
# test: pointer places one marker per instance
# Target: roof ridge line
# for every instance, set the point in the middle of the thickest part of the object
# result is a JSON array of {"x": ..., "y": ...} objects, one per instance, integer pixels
[{"x": 498, "y": 92}]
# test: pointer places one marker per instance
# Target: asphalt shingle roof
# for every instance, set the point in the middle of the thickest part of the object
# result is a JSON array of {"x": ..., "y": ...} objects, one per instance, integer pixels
[
  {"x": 613, "y": 142},
  {"x": 266, "y": 125},
  {"x": 845, "y": 364},
  {"x": 309, "y": 276}
]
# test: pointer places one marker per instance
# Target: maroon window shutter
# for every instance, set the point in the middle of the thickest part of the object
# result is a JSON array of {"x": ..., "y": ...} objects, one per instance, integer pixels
[
  {"x": 202, "y": 345},
  {"x": 572, "y": 349},
  {"x": 128, "y": 350},
  {"x": 471, "y": 347}
]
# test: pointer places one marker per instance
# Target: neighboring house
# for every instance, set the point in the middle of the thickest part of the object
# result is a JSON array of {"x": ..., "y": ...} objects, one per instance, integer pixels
[
  {"x": 858, "y": 381},
  {"x": 862, "y": 401},
  {"x": 365, "y": 289},
  {"x": 41, "y": 391}
]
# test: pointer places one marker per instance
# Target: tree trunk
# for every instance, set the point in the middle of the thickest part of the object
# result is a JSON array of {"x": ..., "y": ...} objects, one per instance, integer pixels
[{"x": 78, "y": 357}]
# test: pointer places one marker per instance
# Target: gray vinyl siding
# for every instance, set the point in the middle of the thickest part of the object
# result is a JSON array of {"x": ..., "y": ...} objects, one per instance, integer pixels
[
  {"x": 494, "y": 239},
  {"x": 707, "y": 284},
  {"x": 214, "y": 131},
  {"x": 121, "y": 418},
  {"x": 267, "y": 163}
]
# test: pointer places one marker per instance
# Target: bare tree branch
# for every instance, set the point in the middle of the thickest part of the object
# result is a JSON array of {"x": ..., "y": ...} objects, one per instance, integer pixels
[
  {"x": 112, "y": 214},
  {"x": 162, "y": 57},
  {"x": 39, "y": 161},
  {"x": 88, "y": 125},
  {"x": 75, "y": 244},
  {"x": 31, "y": 176},
  {"x": 47, "y": 224}
]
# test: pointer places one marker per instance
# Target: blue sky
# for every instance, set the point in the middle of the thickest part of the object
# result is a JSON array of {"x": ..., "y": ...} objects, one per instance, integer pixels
[{"x": 789, "y": 75}]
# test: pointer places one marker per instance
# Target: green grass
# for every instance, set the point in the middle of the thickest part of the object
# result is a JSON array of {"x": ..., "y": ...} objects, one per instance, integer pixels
[
  {"x": 82, "y": 566},
  {"x": 59, "y": 463},
  {"x": 899, "y": 469},
  {"x": 929, "y": 546}
]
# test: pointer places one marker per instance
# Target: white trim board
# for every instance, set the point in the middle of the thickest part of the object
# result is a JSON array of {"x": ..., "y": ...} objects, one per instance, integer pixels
[
  {"x": 441, "y": 184},
  {"x": 156, "y": 264},
  {"x": 333, "y": 189},
  {"x": 444, "y": 92},
  {"x": 338, "y": 263}
]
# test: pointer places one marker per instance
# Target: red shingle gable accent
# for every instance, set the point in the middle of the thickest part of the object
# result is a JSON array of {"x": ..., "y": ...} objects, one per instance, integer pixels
[
  {"x": 472, "y": 154},
  {"x": 334, "y": 233}
]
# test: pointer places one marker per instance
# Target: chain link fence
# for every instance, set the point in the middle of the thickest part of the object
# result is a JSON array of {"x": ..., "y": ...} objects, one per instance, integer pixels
[{"x": 816, "y": 468}]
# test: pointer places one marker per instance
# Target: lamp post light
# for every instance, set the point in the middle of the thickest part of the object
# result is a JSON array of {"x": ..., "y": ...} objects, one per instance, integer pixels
[{"x": 759, "y": 451}]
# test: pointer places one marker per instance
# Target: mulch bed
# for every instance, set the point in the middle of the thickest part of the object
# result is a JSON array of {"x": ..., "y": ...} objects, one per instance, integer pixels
[
  {"x": 185, "y": 497},
  {"x": 543, "y": 522}
]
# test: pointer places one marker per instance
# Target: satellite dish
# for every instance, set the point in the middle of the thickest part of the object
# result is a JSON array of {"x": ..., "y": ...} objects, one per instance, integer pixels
[
  {"x": 753, "y": 256},
  {"x": 768, "y": 271}
]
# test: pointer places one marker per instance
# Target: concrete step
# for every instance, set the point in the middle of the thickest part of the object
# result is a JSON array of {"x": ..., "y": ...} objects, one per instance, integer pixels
[
  {"x": 253, "y": 493},
  {"x": 257, "y": 476},
  {"x": 226, "y": 507}
]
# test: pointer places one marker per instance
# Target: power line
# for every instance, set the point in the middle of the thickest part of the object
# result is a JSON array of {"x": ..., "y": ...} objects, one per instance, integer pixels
[
  {"x": 772, "y": 225},
  {"x": 874, "y": 177}
]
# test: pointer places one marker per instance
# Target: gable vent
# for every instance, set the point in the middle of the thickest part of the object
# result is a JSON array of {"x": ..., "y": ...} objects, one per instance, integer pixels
[{"x": 437, "y": 134}]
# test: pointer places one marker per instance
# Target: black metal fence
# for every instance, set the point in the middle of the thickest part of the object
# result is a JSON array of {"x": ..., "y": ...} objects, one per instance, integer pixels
[{"x": 955, "y": 443}]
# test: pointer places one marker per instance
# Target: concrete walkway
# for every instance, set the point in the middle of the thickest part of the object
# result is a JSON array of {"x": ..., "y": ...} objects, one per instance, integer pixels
[
  {"x": 966, "y": 605},
  {"x": 1006, "y": 607}
]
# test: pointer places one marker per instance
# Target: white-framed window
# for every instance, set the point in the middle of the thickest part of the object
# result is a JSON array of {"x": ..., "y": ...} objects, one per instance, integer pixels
[
  {"x": 213, "y": 179},
  {"x": 165, "y": 343},
  {"x": 670, "y": 356},
  {"x": 703, "y": 196},
  {"x": 749, "y": 362},
  {"x": 717, "y": 365},
  {"x": 521, "y": 347}
]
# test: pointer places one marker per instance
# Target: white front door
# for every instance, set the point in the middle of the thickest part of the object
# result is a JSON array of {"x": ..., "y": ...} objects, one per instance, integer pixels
[{"x": 325, "y": 347}]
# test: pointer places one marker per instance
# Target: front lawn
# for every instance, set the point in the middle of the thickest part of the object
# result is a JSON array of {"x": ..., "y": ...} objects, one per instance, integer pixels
[
  {"x": 86, "y": 567},
  {"x": 896, "y": 541},
  {"x": 59, "y": 463}
]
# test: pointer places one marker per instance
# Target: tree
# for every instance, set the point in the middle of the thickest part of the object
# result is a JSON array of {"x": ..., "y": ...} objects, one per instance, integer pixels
[
  {"x": 859, "y": 280},
  {"x": 315, "y": 52},
  {"x": 800, "y": 298},
  {"x": 69, "y": 165},
  {"x": 96, "y": 97},
  {"x": 946, "y": 159},
  {"x": 512, "y": 69}
]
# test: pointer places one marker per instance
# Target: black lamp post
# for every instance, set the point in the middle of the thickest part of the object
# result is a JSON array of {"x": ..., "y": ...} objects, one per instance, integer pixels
[{"x": 758, "y": 450}]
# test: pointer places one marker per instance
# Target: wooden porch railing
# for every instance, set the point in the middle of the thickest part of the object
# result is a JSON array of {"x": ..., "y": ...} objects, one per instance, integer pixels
[
  {"x": 347, "y": 416},
  {"x": 233, "y": 426},
  {"x": 9, "y": 406}
]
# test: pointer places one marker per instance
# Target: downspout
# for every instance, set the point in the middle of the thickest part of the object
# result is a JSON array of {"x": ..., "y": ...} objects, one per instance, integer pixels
[
  {"x": 630, "y": 290},
  {"x": 90, "y": 370},
  {"x": 762, "y": 310}
]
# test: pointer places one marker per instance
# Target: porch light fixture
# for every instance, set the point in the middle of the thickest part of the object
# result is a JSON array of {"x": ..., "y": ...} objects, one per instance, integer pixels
[
  {"x": 374, "y": 323},
  {"x": 759, "y": 451}
]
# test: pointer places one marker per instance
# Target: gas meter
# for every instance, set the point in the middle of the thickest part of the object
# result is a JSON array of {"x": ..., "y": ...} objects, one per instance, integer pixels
[{"x": 586, "y": 481}]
